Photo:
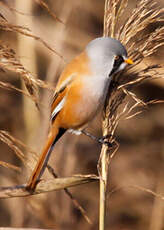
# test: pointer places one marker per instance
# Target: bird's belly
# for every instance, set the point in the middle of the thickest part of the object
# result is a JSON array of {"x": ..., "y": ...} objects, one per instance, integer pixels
[{"x": 85, "y": 104}]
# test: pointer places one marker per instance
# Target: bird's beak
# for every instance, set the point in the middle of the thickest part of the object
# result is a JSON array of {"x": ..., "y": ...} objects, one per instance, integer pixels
[{"x": 129, "y": 61}]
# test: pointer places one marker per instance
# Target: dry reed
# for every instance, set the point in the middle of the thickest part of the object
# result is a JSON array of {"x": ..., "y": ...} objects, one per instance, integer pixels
[
  {"x": 143, "y": 15},
  {"x": 139, "y": 47}
]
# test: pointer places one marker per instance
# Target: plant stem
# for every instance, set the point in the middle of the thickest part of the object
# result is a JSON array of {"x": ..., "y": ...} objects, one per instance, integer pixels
[
  {"x": 104, "y": 165},
  {"x": 103, "y": 183},
  {"x": 26, "y": 48}
]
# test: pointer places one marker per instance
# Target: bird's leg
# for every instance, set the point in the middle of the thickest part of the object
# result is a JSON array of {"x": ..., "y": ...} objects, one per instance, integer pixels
[{"x": 101, "y": 140}]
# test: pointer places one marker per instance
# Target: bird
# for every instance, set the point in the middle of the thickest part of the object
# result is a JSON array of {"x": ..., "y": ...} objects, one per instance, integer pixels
[{"x": 80, "y": 93}]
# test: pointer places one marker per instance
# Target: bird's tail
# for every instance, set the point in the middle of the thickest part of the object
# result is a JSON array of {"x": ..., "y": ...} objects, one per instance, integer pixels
[{"x": 54, "y": 135}]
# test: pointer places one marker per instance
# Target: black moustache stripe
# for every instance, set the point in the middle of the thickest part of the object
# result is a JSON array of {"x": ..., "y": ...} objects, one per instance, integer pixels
[{"x": 117, "y": 64}]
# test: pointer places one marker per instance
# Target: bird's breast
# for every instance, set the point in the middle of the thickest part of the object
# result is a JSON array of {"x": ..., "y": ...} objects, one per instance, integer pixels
[
  {"x": 91, "y": 95},
  {"x": 84, "y": 100},
  {"x": 95, "y": 89}
]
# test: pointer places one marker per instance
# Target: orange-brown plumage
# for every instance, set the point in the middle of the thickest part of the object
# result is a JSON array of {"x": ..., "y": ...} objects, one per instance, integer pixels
[
  {"x": 80, "y": 93},
  {"x": 79, "y": 65},
  {"x": 66, "y": 118},
  {"x": 39, "y": 168}
]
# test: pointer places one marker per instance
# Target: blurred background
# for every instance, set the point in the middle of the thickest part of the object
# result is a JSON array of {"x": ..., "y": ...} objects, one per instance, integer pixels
[{"x": 139, "y": 162}]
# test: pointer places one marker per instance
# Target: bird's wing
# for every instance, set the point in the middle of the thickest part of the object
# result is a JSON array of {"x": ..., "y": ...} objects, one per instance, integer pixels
[{"x": 60, "y": 96}]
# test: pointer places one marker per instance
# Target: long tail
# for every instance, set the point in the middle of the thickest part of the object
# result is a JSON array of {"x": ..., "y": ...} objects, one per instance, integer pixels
[{"x": 53, "y": 137}]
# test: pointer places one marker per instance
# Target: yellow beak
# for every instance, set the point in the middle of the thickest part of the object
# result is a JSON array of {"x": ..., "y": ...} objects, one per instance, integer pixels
[{"x": 129, "y": 61}]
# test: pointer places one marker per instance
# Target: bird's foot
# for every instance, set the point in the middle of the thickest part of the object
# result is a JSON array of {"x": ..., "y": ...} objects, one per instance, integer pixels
[
  {"x": 104, "y": 140},
  {"x": 101, "y": 140}
]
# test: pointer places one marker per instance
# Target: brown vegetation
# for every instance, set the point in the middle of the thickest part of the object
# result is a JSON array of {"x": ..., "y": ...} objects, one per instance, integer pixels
[{"x": 133, "y": 115}]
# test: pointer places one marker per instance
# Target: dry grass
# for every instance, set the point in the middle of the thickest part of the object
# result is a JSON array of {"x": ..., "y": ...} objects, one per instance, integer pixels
[
  {"x": 140, "y": 44},
  {"x": 143, "y": 15},
  {"x": 46, "y": 7}
]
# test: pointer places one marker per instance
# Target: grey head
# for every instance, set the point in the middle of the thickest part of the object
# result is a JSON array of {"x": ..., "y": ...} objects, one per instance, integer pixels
[{"x": 107, "y": 56}]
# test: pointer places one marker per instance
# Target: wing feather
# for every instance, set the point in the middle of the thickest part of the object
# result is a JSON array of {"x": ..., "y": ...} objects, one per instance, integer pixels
[{"x": 60, "y": 96}]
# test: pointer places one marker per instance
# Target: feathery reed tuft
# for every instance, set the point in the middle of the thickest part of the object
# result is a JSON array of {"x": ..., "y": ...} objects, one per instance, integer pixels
[{"x": 140, "y": 42}]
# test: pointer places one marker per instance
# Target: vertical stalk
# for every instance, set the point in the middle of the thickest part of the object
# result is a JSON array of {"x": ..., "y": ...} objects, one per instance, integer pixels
[
  {"x": 103, "y": 161},
  {"x": 103, "y": 186},
  {"x": 104, "y": 155},
  {"x": 104, "y": 165},
  {"x": 26, "y": 51}
]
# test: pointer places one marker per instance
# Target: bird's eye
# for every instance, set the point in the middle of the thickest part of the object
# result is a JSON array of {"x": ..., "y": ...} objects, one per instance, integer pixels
[{"x": 116, "y": 58}]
